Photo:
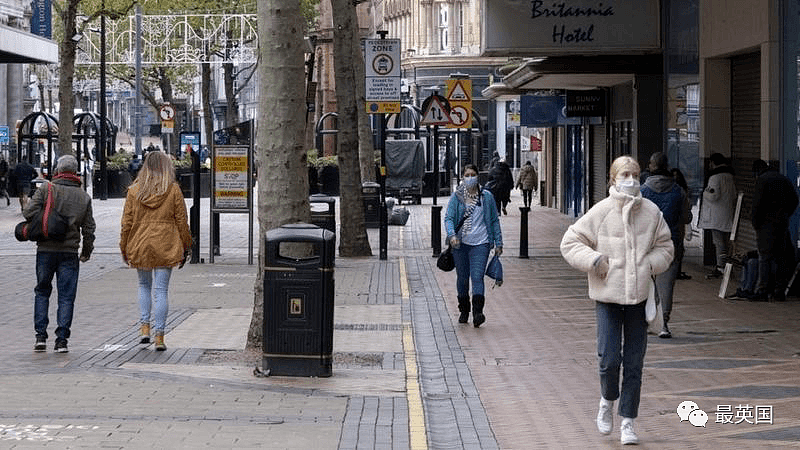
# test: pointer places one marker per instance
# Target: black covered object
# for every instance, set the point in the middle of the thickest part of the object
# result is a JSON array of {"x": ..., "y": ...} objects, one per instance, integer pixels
[{"x": 405, "y": 168}]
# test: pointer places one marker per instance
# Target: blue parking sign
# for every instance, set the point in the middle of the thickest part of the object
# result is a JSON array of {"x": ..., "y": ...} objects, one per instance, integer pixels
[{"x": 4, "y": 135}]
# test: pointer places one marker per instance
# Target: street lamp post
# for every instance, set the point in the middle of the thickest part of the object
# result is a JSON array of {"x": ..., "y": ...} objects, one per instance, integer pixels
[{"x": 103, "y": 114}]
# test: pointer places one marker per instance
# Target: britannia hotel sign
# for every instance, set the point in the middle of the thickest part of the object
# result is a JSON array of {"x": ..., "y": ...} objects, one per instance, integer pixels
[{"x": 556, "y": 27}]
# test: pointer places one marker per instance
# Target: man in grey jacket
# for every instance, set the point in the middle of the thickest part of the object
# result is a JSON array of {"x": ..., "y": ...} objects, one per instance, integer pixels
[{"x": 60, "y": 258}]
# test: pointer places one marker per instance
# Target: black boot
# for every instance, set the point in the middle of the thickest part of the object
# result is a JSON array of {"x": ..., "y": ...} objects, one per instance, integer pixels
[
  {"x": 477, "y": 310},
  {"x": 463, "y": 306}
]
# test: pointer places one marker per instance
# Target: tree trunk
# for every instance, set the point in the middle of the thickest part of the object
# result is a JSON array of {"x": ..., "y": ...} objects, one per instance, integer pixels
[
  {"x": 366, "y": 147},
  {"x": 282, "y": 174},
  {"x": 66, "y": 54},
  {"x": 232, "y": 106},
  {"x": 208, "y": 117},
  {"x": 353, "y": 241}
]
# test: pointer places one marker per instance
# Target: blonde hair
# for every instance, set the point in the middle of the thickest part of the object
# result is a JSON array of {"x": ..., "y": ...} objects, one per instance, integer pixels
[
  {"x": 617, "y": 166},
  {"x": 155, "y": 177}
]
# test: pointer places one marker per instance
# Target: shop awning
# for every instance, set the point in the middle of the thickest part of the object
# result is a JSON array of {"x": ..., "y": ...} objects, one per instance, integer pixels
[
  {"x": 573, "y": 73},
  {"x": 20, "y": 46}
]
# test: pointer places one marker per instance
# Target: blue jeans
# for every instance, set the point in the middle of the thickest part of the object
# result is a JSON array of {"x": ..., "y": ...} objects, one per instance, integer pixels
[
  {"x": 153, "y": 287},
  {"x": 470, "y": 265},
  {"x": 64, "y": 266},
  {"x": 621, "y": 340}
]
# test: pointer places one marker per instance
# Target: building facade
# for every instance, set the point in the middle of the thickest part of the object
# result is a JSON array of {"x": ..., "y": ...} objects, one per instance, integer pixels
[{"x": 686, "y": 77}]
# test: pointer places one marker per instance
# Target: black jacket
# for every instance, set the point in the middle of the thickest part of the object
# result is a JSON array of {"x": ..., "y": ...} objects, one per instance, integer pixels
[{"x": 774, "y": 201}]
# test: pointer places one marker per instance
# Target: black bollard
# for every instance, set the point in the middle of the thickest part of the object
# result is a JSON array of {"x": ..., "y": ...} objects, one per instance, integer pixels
[
  {"x": 436, "y": 230},
  {"x": 523, "y": 231}
]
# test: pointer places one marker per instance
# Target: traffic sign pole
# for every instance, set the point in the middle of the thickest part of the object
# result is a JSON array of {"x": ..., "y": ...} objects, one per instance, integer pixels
[{"x": 383, "y": 238}]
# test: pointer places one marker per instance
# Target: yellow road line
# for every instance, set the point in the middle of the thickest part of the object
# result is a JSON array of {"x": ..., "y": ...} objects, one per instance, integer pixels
[{"x": 416, "y": 414}]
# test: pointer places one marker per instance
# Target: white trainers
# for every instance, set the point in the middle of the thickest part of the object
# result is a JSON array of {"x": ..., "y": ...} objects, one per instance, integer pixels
[
  {"x": 626, "y": 433},
  {"x": 605, "y": 417}
]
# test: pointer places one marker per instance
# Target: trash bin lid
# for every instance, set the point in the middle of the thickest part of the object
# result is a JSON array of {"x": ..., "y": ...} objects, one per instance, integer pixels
[{"x": 299, "y": 232}]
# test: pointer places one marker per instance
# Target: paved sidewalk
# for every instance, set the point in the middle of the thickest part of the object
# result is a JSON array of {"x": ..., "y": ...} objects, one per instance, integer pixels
[{"x": 406, "y": 375}]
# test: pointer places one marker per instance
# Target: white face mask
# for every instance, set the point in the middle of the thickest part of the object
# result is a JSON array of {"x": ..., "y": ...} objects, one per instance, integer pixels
[{"x": 628, "y": 186}]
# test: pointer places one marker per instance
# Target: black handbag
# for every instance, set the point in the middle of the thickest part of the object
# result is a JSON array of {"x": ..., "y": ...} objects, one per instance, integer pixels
[
  {"x": 445, "y": 262},
  {"x": 47, "y": 224}
]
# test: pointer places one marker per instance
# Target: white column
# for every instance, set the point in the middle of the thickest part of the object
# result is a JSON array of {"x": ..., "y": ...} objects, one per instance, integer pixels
[{"x": 500, "y": 130}]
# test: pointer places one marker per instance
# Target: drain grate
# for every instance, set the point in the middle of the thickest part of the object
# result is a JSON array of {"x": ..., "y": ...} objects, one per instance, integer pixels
[{"x": 369, "y": 326}]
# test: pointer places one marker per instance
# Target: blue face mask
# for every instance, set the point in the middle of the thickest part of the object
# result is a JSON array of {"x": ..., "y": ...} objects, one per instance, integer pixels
[{"x": 470, "y": 182}]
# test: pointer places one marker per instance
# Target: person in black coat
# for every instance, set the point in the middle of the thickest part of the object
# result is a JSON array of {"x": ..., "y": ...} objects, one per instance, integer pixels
[
  {"x": 500, "y": 184},
  {"x": 24, "y": 173},
  {"x": 774, "y": 201}
]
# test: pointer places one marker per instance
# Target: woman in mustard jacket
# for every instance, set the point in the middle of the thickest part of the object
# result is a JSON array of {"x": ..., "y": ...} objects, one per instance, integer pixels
[{"x": 155, "y": 237}]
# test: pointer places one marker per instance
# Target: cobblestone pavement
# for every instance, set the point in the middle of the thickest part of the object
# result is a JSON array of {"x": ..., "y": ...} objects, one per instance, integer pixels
[{"x": 405, "y": 374}]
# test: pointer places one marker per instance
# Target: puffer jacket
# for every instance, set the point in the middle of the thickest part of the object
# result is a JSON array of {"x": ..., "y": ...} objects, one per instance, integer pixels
[
  {"x": 527, "y": 178},
  {"x": 155, "y": 232},
  {"x": 71, "y": 201},
  {"x": 632, "y": 233}
]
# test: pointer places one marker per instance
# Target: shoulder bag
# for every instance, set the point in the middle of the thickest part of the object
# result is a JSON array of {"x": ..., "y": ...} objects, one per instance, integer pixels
[
  {"x": 446, "y": 262},
  {"x": 47, "y": 224}
]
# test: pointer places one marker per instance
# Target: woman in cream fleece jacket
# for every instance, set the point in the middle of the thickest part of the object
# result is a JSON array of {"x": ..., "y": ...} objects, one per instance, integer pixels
[{"x": 621, "y": 242}]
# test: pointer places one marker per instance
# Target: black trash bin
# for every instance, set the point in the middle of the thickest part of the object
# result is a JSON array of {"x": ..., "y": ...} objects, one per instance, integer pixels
[
  {"x": 323, "y": 211},
  {"x": 371, "y": 194},
  {"x": 298, "y": 302}
]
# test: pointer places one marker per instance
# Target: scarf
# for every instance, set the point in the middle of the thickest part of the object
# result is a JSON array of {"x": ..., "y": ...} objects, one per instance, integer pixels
[{"x": 69, "y": 177}]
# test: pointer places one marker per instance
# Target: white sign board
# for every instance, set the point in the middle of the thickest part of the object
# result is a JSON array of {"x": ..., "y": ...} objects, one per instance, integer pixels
[
  {"x": 547, "y": 27},
  {"x": 382, "y": 64}
]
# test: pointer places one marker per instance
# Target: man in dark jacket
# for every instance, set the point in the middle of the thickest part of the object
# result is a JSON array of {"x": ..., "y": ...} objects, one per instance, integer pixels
[
  {"x": 774, "y": 202},
  {"x": 60, "y": 258},
  {"x": 661, "y": 188},
  {"x": 24, "y": 173}
]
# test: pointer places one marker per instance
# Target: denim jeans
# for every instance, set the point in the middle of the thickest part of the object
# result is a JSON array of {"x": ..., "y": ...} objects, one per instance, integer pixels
[
  {"x": 621, "y": 340},
  {"x": 470, "y": 265},
  {"x": 153, "y": 288},
  {"x": 65, "y": 267}
]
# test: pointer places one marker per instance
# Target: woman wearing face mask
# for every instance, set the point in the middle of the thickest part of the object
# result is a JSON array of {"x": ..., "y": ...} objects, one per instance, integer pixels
[
  {"x": 474, "y": 208},
  {"x": 621, "y": 242}
]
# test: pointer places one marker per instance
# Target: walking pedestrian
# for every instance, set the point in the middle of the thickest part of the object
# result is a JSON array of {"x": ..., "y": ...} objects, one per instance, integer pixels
[
  {"x": 527, "y": 180},
  {"x": 500, "y": 184},
  {"x": 60, "y": 258},
  {"x": 662, "y": 189},
  {"x": 717, "y": 208},
  {"x": 4, "y": 180},
  {"x": 621, "y": 242},
  {"x": 680, "y": 179},
  {"x": 24, "y": 173},
  {"x": 154, "y": 238},
  {"x": 472, "y": 210},
  {"x": 774, "y": 202}
]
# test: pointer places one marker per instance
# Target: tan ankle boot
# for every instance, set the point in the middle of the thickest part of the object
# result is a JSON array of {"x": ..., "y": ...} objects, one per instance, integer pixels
[
  {"x": 160, "y": 342},
  {"x": 144, "y": 333}
]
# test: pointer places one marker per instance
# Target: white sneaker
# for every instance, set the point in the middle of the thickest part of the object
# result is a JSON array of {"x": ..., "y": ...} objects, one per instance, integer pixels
[
  {"x": 605, "y": 417},
  {"x": 626, "y": 433}
]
